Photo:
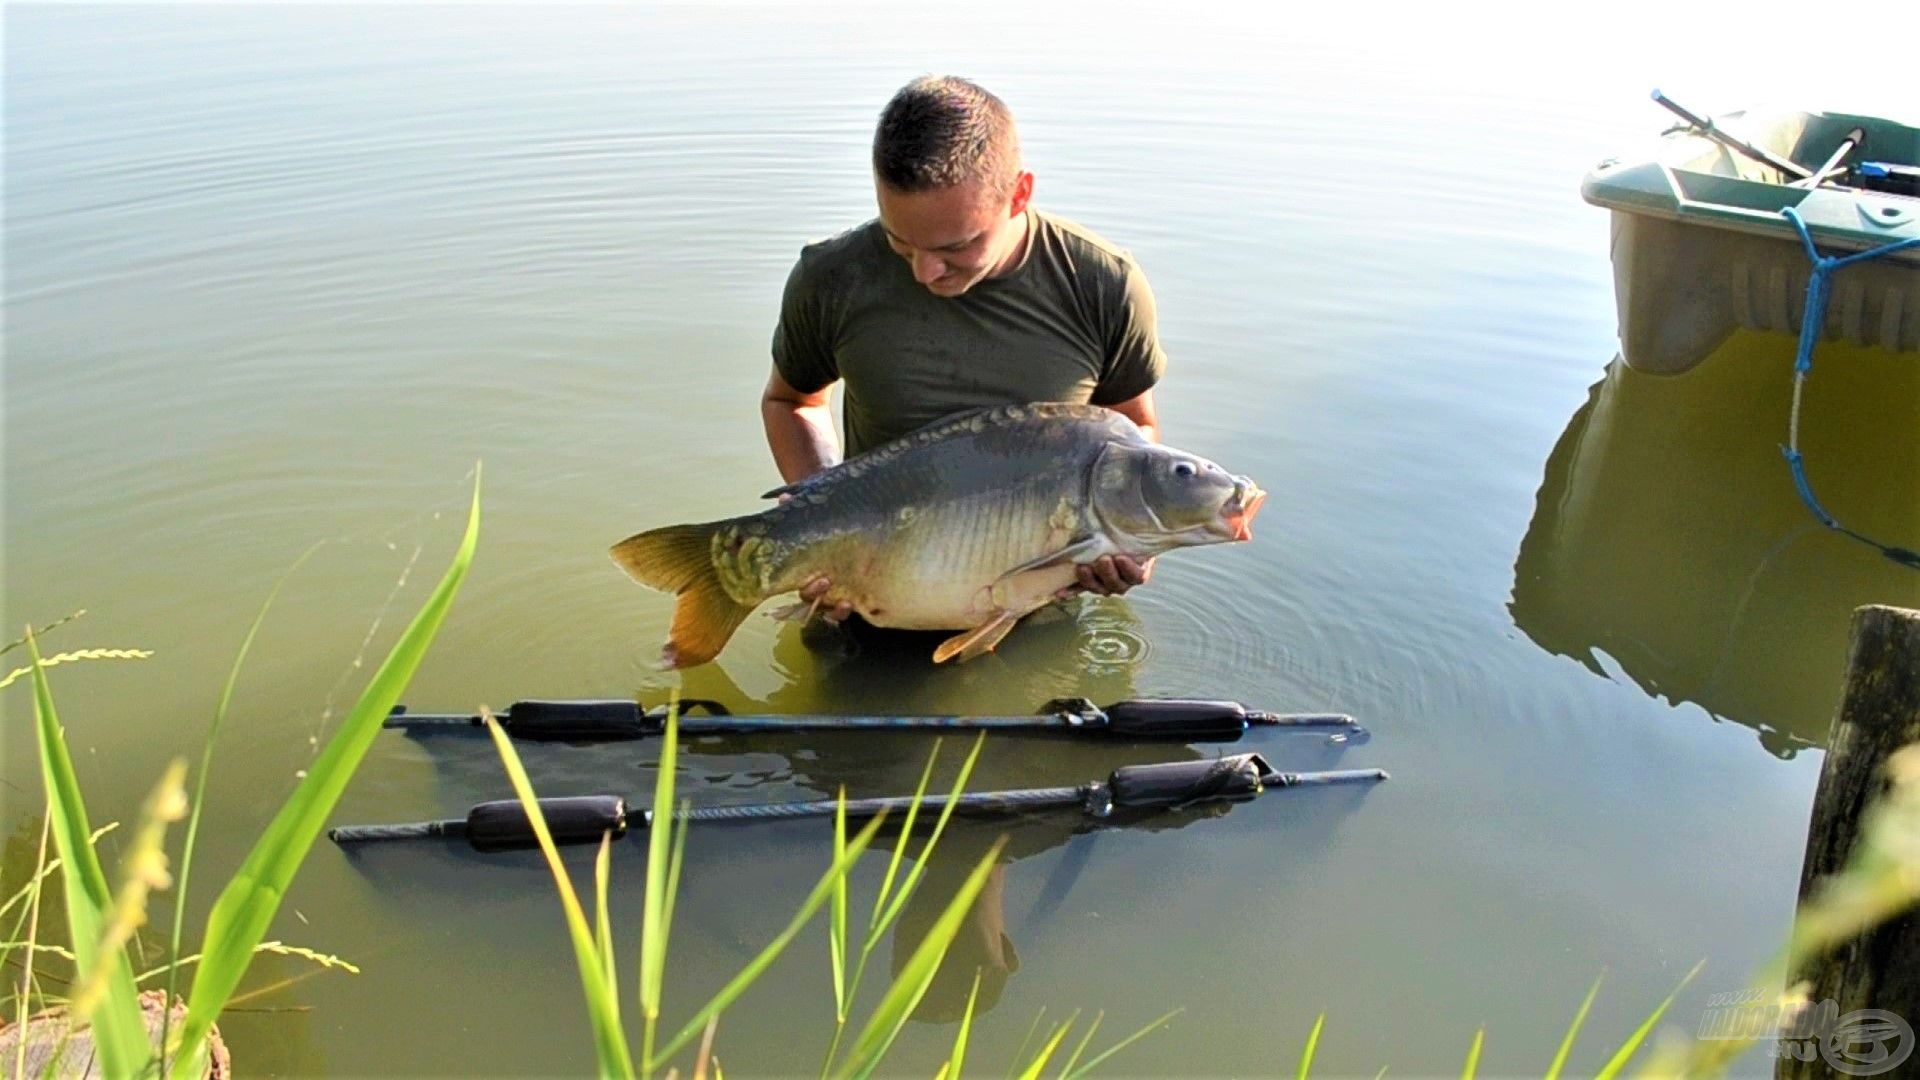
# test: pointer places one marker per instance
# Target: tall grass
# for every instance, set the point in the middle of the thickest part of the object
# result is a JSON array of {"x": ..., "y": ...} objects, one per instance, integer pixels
[
  {"x": 599, "y": 980},
  {"x": 100, "y": 924}
]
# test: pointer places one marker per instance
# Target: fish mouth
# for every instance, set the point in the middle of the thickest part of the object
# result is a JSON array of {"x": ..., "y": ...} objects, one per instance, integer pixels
[{"x": 1237, "y": 514}]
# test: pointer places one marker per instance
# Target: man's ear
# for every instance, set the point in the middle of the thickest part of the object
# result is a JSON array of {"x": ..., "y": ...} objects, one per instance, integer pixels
[{"x": 1022, "y": 194}]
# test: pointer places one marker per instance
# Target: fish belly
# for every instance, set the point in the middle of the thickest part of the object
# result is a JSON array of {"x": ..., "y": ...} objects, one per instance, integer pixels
[{"x": 953, "y": 572}]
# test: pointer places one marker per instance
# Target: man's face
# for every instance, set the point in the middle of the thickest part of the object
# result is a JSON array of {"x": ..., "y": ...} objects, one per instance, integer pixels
[{"x": 954, "y": 238}]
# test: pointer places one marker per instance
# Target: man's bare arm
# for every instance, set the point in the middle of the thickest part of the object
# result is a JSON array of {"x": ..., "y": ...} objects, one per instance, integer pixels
[
  {"x": 1141, "y": 411},
  {"x": 799, "y": 429}
]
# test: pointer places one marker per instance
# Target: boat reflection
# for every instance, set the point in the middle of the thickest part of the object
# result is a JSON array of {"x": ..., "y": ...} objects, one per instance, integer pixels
[{"x": 1667, "y": 535}]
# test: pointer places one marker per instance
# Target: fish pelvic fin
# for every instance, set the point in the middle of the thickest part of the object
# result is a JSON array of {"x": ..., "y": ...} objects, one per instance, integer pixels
[
  {"x": 978, "y": 641},
  {"x": 679, "y": 559}
]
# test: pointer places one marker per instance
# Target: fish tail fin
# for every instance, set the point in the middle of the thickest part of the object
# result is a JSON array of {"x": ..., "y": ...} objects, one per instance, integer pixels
[{"x": 679, "y": 559}]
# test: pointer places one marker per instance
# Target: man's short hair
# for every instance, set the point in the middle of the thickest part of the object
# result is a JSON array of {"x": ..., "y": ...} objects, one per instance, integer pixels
[{"x": 941, "y": 131}]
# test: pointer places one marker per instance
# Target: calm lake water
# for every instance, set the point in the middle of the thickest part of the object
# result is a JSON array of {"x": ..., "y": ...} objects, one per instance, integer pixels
[{"x": 281, "y": 275}]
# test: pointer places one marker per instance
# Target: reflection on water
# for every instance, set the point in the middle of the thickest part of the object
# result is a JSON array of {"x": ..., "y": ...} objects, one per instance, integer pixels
[{"x": 1668, "y": 537}]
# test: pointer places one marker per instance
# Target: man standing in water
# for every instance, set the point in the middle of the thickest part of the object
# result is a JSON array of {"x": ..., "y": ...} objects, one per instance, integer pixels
[{"x": 958, "y": 295}]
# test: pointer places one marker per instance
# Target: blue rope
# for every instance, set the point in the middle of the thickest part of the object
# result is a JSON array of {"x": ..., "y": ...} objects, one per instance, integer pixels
[{"x": 1819, "y": 286}]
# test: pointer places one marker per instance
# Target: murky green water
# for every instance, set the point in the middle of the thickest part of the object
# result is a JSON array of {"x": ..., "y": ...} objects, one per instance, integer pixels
[{"x": 281, "y": 275}]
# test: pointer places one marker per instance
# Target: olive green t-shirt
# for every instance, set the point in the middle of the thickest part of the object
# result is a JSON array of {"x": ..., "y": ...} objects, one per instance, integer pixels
[{"x": 1072, "y": 321}]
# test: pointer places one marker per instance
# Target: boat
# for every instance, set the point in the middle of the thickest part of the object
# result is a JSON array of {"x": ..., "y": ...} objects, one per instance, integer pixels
[{"x": 1701, "y": 244}]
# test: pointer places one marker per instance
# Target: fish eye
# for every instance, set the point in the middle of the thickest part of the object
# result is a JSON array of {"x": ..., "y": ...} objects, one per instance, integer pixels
[{"x": 1183, "y": 469}]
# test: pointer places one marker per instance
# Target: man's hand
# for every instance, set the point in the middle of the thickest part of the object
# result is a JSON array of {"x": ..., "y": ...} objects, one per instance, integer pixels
[
  {"x": 816, "y": 589},
  {"x": 1109, "y": 575}
]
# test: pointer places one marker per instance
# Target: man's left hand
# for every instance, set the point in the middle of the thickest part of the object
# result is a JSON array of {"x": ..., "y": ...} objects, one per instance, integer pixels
[{"x": 1110, "y": 575}]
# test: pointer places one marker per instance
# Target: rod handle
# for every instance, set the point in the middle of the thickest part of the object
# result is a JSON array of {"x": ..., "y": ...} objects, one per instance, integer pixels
[
  {"x": 503, "y": 825},
  {"x": 1177, "y": 718}
]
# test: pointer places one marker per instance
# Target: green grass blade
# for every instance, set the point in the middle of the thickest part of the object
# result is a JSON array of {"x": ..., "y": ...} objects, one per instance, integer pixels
[
  {"x": 939, "y": 828},
  {"x": 1081, "y": 1047},
  {"x": 1579, "y": 1018},
  {"x": 759, "y": 964},
  {"x": 1124, "y": 1043},
  {"x": 958, "y": 1060},
  {"x": 602, "y": 931},
  {"x": 1039, "y": 1063},
  {"x": 246, "y": 907},
  {"x": 603, "y": 1006},
  {"x": 891, "y": 1014},
  {"x": 900, "y": 846},
  {"x": 30, "y": 918},
  {"x": 653, "y": 931},
  {"x": 1014, "y": 1062},
  {"x": 200, "y": 793},
  {"x": 837, "y": 927},
  {"x": 119, "y": 1033},
  {"x": 1620, "y": 1057},
  {"x": 1473, "y": 1055},
  {"x": 1313, "y": 1045}
]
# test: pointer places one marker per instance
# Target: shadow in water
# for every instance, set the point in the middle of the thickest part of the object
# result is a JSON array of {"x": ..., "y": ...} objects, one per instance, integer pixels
[
  {"x": 1668, "y": 537},
  {"x": 731, "y": 869}
]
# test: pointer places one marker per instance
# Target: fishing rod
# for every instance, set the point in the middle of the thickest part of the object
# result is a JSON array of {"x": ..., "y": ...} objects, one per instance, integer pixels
[
  {"x": 1706, "y": 127},
  {"x": 1188, "y": 720},
  {"x": 503, "y": 825}
]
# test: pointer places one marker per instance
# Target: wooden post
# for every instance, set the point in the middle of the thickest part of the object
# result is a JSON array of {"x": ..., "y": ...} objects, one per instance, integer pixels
[{"x": 1879, "y": 713}]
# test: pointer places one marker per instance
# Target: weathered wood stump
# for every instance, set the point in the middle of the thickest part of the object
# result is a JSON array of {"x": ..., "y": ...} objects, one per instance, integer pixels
[
  {"x": 1879, "y": 713},
  {"x": 45, "y": 1030}
]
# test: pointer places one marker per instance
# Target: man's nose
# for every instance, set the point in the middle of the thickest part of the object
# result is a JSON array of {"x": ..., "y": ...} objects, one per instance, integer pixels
[{"x": 927, "y": 267}]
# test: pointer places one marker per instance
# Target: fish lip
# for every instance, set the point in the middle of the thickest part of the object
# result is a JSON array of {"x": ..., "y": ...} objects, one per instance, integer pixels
[{"x": 1236, "y": 516}]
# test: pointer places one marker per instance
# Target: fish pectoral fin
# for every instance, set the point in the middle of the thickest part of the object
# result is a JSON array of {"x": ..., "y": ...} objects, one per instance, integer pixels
[
  {"x": 978, "y": 641},
  {"x": 1071, "y": 553},
  {"x": 799, "y": 611}
]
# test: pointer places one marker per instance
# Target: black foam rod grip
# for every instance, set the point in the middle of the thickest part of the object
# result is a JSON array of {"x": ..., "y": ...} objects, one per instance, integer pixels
[
  {"x": 582, "y": 819},
  {"x": 1177, "y": 718},
  {"x": 1177, "y": 782},
  {"x": 577, "y": 721}
]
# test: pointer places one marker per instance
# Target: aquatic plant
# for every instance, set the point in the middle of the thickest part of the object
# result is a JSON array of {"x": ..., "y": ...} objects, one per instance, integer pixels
[{"x": 101, "y": 924}]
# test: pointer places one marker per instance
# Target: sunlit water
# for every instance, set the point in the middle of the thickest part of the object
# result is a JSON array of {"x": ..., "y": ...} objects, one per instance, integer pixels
[{"x": 282, "y": 275}]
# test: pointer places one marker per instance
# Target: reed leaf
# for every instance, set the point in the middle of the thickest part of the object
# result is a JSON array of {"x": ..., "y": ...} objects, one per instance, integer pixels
[
  {"x": 1123, "y": 1044},
  {"x": 1473, "y": 1055},
  {"x": 874, "y": 927},
  {"x": 1014, "y": 1062},
  {"x": 1313, "y": 1045},
  {"x": 837, "y": 924},
  {"x": 1573, "y": 1029},
  {"x": 926, "y": 852},
  {"x": 958, "y": 1060},
  {"x": 891, "y": 1014},
  {"x": 603, "y": 1008},
  {"x": 1039, "y": 1063},
  {"x": 30, "y": 918},
  {"x": 247, "y": 905},
  {"x": 759, "y": 964},
  {"x": 602, "y": 928},
  {"x": 1081, "y": 1047},
  {"x": 119, "y": 1034},
  {"x": 654, "y": 924},
  {"x": 1619, "y": 1059}
]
